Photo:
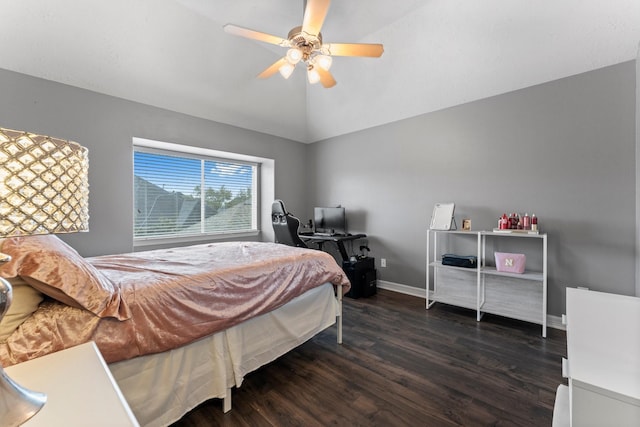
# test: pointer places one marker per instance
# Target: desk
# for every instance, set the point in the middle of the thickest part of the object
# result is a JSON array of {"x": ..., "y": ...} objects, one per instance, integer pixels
[{"x": 338, "y": 240}]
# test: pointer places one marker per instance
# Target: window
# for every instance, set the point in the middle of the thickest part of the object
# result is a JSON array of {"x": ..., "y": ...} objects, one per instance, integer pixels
[{"x": 181, "y": 194}]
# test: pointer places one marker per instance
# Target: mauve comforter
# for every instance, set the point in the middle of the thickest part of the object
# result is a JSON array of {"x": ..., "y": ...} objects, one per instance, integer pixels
[{"x": 176, "y": 296}]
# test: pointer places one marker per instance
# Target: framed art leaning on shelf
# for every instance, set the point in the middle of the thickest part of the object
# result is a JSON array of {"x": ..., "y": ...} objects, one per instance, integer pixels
[{"x": 442, "y": 216}]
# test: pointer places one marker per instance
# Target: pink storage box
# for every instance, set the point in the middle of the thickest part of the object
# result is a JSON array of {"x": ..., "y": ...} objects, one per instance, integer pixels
[{"x": 510, "y": 263}]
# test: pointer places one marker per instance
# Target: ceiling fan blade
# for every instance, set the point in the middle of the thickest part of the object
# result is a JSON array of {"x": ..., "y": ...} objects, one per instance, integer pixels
[
  {"x": 272, "y": 69},
  {"x": 354, "y": 49},
  {"x": 314, "y": 15},
  {"x": 326, "y": 78},
  {"x": 255, "y": 35}
]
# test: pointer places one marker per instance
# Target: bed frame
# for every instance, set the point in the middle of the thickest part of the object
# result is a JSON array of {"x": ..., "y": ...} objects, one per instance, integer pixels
[{"x": 161, "y": 388}]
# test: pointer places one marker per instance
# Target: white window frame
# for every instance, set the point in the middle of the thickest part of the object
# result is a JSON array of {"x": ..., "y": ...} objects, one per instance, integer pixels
[{"x": 264, "y": 187}]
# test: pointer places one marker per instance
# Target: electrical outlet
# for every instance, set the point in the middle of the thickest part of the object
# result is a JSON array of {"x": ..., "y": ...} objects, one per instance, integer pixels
[{"x": 383, "y": 262}]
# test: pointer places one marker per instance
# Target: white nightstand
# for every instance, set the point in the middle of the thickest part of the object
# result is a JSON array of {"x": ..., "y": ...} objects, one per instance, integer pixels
[
  {"x": 80, "y": 389},
  {"x": 603, "y": 361}
]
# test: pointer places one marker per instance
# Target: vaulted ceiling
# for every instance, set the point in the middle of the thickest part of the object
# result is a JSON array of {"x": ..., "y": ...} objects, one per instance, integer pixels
[{"x": 174, "y": 54}]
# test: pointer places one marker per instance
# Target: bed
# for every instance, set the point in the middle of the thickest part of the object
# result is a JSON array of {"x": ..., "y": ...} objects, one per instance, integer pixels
[{"x": 177, "y": 326}]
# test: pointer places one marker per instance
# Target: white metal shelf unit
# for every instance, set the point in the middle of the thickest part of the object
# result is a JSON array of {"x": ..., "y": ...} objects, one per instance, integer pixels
[
  {"x": 518, "y": 296},
  {"x": 484, "y": 289},
  {"x": 460, "y": 286}
]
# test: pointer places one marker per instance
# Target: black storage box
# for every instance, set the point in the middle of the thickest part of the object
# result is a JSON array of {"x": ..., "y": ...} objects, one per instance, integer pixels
[
  {"x": 362, "y": 275},
  {"x": 467, "y": 261}
]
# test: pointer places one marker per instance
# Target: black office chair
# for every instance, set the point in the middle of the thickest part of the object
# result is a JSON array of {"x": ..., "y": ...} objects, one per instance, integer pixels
[{"x": 285, "y": 225}]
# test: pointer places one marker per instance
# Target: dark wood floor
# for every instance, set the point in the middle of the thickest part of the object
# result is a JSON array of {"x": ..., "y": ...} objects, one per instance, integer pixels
[{"x": 401, "y": 365}]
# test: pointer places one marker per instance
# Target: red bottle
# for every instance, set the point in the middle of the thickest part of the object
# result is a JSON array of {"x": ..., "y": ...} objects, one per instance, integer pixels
[
  {"x": 513, "y": 221},
  {"x": 534, "y": 222},
  {"x": 504, "y": 222}
]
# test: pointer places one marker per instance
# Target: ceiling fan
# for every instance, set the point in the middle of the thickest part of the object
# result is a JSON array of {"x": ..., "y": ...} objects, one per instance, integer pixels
[{"x": 305, "y": 46}]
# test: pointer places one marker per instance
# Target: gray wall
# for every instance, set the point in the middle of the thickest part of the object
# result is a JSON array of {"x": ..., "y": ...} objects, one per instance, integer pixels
[
  {"x": 106, "y": 125},
  {"x": 564, "y": 150}
]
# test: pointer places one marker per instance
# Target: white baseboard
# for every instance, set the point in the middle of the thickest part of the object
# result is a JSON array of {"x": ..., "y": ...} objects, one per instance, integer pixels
[
  {"x": 554, "y": 322},
  {"x": 402, "y": 289}
]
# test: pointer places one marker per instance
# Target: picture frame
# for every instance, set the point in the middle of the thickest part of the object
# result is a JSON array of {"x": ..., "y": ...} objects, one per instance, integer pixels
[{"x": 442, "y": 216}]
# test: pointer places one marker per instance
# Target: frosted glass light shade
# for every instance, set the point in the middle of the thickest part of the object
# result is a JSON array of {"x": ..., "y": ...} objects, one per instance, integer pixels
[
  {"x": 44, "y": 185},
  {"x": 287, "y": 69},
  {"x": 324, "y": 61},
  {"x": 294, "y": 55},
  {"x": 312, "y": 75}
]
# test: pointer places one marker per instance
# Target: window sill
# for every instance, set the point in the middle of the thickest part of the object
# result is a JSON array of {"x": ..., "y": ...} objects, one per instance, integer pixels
[{"x": 196, "y": 239}]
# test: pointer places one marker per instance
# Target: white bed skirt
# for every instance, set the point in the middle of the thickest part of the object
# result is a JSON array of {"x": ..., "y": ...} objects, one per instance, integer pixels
[{"x": 161, "y": 388}]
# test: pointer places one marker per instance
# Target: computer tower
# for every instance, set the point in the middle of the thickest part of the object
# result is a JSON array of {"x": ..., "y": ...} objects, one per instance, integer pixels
[{"x": 362, "y": 275}]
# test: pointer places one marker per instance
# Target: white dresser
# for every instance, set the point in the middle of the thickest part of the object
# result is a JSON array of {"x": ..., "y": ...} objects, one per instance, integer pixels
[
  {"x": 80, "y": 389},
  {"x": 603, "y": 360}
]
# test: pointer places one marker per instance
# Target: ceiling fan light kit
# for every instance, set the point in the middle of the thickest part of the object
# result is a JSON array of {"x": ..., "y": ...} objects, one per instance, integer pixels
[{"x": 305, "y": 45}]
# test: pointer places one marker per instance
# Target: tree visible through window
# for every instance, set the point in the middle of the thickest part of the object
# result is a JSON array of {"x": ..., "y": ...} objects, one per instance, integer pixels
[{"x": 182, "y": 195}]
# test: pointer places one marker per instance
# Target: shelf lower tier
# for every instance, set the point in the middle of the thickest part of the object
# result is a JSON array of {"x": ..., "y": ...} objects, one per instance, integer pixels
[
  {"x": 499, "y": 294},
  {"x": 460, "y": 288},
  {"x": 490, "y": 270},
  {"x": 519, "y": 300},
  {"x": 511, "y": 313},
  {"x": 455, "y": 300},
  {"x": 527, "y": 275}
]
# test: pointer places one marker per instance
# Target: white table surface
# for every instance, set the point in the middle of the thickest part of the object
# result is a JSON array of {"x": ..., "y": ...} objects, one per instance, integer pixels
[
  {"x": 603, "y": 340},
  {"x": 80, "y": 389}
]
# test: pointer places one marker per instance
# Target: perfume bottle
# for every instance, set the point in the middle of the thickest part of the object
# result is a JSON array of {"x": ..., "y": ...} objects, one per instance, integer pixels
[
  {"x": 534, "y": 222},
  {"x": 504, "y": 222}
]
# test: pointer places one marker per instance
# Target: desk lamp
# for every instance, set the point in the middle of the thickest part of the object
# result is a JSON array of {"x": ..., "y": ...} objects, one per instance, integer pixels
[{"x": 44, "y": 188}]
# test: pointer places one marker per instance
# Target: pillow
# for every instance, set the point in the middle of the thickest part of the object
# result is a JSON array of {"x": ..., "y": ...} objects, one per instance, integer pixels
[
  {"x": 25, "y": 301},
  {"x": 57, "y": 270}
]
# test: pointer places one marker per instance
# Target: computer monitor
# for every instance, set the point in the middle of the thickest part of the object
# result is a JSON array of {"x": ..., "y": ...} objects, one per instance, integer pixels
[{"x": 329, "y": 220}]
